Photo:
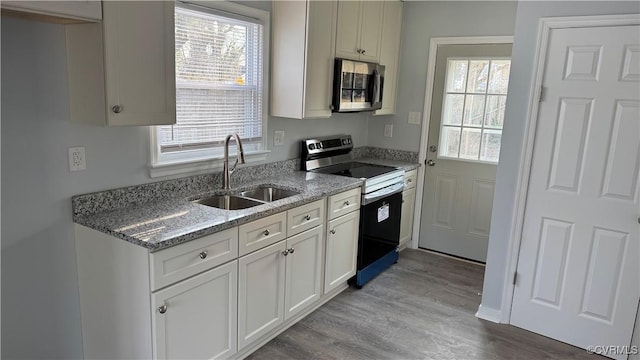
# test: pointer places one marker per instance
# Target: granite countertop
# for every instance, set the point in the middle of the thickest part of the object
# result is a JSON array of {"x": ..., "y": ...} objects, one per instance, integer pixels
[{"x": 162, "y": 224}]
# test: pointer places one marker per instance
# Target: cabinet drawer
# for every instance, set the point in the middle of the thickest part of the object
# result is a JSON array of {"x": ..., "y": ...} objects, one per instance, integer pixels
[
  {"x": 410, "y": 179},
  {"x": 344, "y": 203},
  {"x": 305, "y": 217},
  {"x": 260, "y": 233},
  {"x": 179, "y": 262}
]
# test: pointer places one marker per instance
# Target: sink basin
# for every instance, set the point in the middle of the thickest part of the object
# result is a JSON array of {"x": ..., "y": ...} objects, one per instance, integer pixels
[
  {"x": 267, "y": 193},
  {"x": 228, "y": 202}
]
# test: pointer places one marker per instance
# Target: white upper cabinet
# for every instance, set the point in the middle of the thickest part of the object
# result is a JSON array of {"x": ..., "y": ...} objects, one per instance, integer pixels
[
  {"x": 359, "y": 30},
  {"x": 76, "y": 10},
  {"x": 390, "y": 54},
  {"x": 303, "y": 45},
  {"x": 123, "y": 72}
]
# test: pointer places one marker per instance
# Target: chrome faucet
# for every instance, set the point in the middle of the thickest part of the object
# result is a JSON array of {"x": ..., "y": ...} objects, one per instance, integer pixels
[{"x": 239, "y": 158}]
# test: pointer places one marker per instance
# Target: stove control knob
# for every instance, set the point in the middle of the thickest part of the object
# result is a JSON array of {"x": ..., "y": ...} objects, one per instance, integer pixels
[
  {"x": 345, "y": 141},
  {"x": 312, "y": 146},
  {"x": 318, "y": 145}
]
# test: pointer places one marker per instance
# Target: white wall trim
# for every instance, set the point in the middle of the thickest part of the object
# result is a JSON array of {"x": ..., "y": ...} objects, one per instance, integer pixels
[
  {"x": 517, "y": 221},
  {"x": 426, "y": 112},
  {"x": 489, "y": 314}
]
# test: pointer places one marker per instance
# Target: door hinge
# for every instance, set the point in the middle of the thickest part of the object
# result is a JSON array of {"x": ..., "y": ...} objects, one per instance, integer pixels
[
  {"x": 540, "y": 93},
  {"x": 515, "y": 277}
]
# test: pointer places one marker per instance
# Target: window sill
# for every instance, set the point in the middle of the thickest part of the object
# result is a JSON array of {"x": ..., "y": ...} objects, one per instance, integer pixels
[{"x": 199, "y": 166}]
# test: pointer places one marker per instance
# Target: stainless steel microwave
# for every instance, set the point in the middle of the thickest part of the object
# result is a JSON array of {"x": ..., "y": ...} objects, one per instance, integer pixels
[{"x": 357, "y": 86}]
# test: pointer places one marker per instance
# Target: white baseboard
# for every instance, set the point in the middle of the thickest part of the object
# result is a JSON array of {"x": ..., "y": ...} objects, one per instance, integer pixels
[{"x": 489, "y": 314}]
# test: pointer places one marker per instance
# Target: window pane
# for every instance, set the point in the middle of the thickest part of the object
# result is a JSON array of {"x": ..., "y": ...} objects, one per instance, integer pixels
[
  {"x": 453, "y": 105},
  {"x": 456, "y": 75},
  {"x": 491, "y": 145},
  {"x": 474, "y": 110},
  {"x": 494, "y": 117},
  {"x": 499, "y": 78},
  {"x": 478, "y": 73},
  {"x": 470, "y": 144},
  {"x": 449, "y": 141}
]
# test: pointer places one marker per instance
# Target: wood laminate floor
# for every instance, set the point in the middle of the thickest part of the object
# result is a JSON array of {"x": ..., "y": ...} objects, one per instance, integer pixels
[{"x": 423, "y": 307}]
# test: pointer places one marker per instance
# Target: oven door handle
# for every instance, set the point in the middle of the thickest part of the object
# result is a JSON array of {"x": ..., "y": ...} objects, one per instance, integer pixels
[{"x": 382, "y": 193}]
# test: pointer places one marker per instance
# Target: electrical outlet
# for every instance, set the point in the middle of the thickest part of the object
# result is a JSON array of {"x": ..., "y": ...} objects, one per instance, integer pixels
[
  {"x": 278, "y": 138},
  {"x": 414, "y": 117},
  {"x": 77, "y": 160},
  {"x": 388, "y": 130}
]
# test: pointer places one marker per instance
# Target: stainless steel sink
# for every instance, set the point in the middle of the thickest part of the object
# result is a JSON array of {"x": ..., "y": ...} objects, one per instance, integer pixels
[
  {"x": 228, "y": 202},
  {"x": 268, "y": 194}
]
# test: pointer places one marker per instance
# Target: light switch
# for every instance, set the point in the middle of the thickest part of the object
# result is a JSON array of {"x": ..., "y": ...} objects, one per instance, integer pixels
[
  {"x": 414, "y": 117},
  {"x": 278, "y": 138}
]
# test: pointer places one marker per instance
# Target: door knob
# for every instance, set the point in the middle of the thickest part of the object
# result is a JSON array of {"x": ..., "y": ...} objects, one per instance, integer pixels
[{"x": 431, "y": 163}]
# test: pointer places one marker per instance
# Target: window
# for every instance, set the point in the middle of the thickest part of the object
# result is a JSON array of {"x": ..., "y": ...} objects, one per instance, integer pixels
[
  {"x": 473, "y": 109},
  {"x": 220, "y": 88}
]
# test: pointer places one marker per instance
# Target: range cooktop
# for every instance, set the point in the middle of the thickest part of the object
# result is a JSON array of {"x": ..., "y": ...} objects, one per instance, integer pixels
[{"x": 356, "y": 170}]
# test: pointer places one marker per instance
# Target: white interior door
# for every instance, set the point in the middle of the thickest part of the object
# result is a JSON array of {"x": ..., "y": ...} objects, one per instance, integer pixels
[
  {"x": 467, "y": 113},
  {"x": 578, "y": 268}
]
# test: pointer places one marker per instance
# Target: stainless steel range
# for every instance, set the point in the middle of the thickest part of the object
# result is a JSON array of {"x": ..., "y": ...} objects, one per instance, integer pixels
[{"x": 379, "y": 234}]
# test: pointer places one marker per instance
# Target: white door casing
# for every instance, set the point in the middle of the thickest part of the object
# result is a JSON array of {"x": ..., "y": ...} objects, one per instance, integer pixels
[
  {"x": 578, "y": 265},
  {"x": 458, "y": 195}
]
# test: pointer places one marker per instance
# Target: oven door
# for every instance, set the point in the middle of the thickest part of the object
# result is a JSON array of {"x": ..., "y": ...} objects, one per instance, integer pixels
[{"x": 379, "y": 229}]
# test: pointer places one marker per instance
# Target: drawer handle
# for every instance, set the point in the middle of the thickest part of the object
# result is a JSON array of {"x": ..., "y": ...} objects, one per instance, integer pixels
[
  {"x": 347, "y": 203},
  {"x": 162, "y": 309},
  {"x": 290, "y": 250},
  {"x": 333, "y": 231},
  {"x": 266, "y": 232},
  {"x": 285, "y": 253},
  {"x": 203, "y": 255},
  {"x": 307, "y": 217}
]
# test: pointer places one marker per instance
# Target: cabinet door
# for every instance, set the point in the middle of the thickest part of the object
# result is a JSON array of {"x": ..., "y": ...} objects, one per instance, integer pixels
[
  {"x": 406, "y": 220},
  {"x": 390, "y": 54},
  {"x": 348, "y": 30},
  {"x": 371, "y": 30},
  {"x": 139, "y": 62},
  {"x": 89, "y": 10},
  {"x": 260, "y": 292},
  {"x": 342, "y": 248},
  {"x": 303, "y": 270},
  {"x": 320, "y": 54},
  {"x": 196, "y": 318}
]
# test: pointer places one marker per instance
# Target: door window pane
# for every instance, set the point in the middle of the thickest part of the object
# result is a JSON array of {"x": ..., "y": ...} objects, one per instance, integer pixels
[
  {"x": 449, "y": 141},
  {"x": 478, "y": 74},
  {"x": 473, "y": 110},
  {"x": 453, "y": 108},
  {"x": 457, "y": 75},
  {"x": 494, "y": 116},
  {"x": 470, "y": 144}
]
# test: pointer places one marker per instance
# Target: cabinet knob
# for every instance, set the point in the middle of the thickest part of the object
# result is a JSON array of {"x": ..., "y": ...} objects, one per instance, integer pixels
[
  {"x": 362, "y": 51},
  {"x": 290, "y": 250},
  {"x": 116, "y": 109},
  {"x": 307, "y": 217},
  {"x": 333, "y": 231},
  {"x": 359, "y": 51},
  {"x": 347, "y": 203},
  {"x": 409, "y": 181},
  {"x": 266, "y": 232},
  {"x": 285, "y": 253},
  {"x": 162, "y": 309},
  {"x": 203, "y": 255}
]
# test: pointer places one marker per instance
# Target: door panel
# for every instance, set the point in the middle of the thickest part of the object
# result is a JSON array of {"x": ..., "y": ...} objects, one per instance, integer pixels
[
  {"x": 458, "y": 196},
  {"x": 578, "y": 266}
]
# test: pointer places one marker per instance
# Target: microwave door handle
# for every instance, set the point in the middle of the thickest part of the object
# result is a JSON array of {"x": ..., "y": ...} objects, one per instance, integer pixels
[{"x": 376, "y": 87}]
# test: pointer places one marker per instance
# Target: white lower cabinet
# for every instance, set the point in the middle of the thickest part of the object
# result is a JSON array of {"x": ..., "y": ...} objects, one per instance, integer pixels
[
  {"x": 342, "y": 250},
  {"x": 196, "y": 318},
  {"x": 278, "y": 282},
  {"x": 261, "y": 292},
  {"x": 406, "y": 219}
]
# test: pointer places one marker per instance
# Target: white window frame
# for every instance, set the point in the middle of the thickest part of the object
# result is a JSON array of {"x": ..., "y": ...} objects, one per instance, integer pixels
[
  {"x": 199, "y": 161},
  {"x": 462, "y": 126}
]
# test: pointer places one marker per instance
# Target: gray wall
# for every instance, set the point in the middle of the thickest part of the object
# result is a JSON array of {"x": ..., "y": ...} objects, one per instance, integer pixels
[
  {"x": 421, "y": 22},
  {"x": 523, "y": 53},
  {"x": 41, "y": 315}
]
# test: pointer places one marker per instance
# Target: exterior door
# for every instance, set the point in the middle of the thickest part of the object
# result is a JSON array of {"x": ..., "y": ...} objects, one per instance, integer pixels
[
  {"x": 578, "y": 270},
  {"x": 467, "y": 113}
]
